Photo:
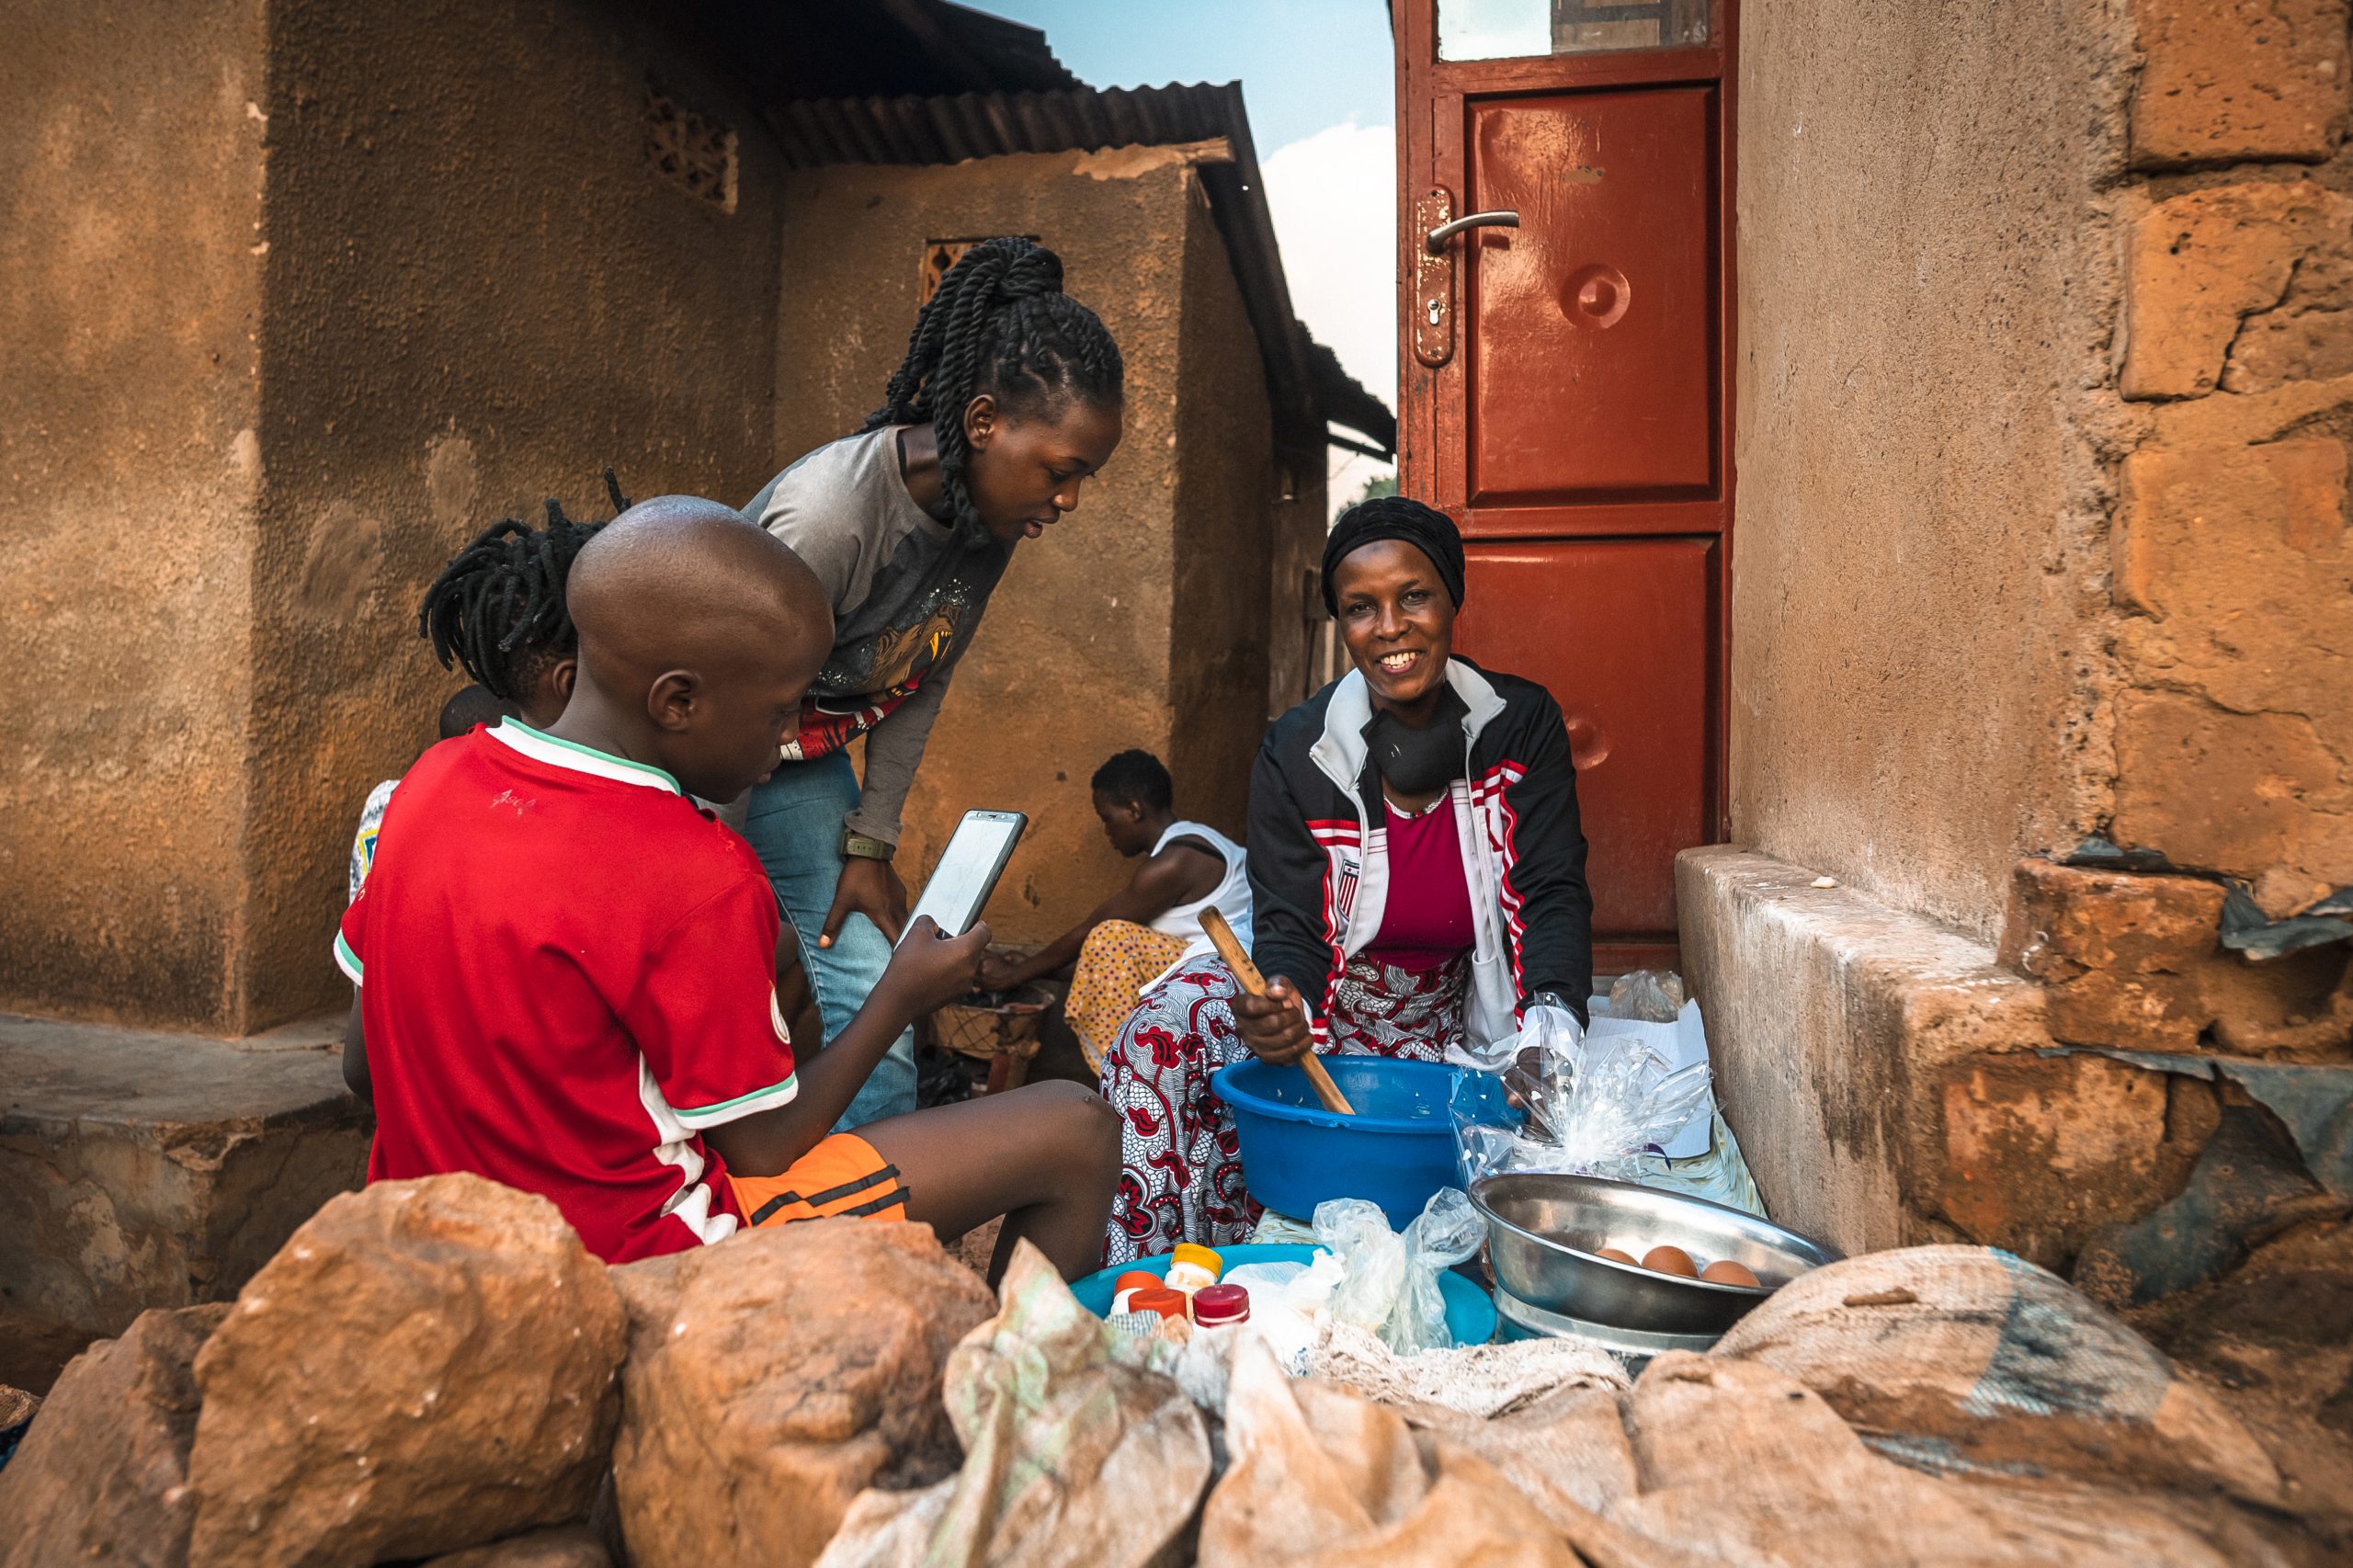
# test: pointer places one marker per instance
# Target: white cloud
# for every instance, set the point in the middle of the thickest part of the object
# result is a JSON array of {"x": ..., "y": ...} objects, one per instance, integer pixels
[{"x": 1333, "y": 197}]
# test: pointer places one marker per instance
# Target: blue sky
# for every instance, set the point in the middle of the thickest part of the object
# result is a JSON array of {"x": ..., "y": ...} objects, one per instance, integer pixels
[
  {"x": 1317, "y": 76},
  {"x": 1303, "y": 64}
]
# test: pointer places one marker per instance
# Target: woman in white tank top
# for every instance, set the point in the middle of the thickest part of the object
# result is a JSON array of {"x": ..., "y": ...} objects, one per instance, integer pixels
[
  {"x": 1230, "y": 897},
  {"x": 1147, "y": 927}
]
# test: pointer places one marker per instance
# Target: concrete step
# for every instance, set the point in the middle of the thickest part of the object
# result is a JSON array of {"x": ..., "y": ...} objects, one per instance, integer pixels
[{"x": 142, "y": 1169}]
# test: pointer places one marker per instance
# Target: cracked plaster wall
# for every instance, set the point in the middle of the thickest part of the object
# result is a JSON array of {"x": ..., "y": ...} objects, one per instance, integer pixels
[
  {"x": 302, "y": 295},
  {"x": 2045, "y": 387},
  {"x": 1926, "y": 278},
  {"x": 130, "y": 238}
]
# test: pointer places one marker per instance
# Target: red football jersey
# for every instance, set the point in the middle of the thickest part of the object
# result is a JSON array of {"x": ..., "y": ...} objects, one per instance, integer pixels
[{"x": 566, "y": 972}]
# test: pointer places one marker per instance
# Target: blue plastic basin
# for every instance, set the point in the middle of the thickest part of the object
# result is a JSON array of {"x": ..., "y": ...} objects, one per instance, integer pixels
[{"x": 1397, "y": 1150}]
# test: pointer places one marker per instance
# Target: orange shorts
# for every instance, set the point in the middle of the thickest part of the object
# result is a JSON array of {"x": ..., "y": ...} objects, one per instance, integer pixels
[{"x": 843, "y": 1176}]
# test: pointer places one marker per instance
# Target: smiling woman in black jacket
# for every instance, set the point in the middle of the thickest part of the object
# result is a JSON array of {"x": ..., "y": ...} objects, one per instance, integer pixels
[{"x": 1417, "y": 872}]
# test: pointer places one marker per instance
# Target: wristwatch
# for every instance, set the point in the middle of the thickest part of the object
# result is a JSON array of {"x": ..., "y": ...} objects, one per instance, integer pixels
[{"x": 858, "y": 845}]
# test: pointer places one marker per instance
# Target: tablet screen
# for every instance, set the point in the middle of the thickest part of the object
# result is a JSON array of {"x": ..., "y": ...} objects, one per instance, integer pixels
[{"x": 968, "y": 870}]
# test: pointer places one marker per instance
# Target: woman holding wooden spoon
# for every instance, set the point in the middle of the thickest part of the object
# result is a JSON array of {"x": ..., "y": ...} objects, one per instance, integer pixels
[{"x": 1416, "y": 873}]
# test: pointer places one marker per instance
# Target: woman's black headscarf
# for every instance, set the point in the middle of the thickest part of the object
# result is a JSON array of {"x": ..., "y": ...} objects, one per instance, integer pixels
[{"x": 1426, "y": 529}]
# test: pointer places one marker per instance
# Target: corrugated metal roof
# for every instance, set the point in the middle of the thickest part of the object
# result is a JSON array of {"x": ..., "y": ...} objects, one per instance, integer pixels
[
  {"x": 1304, "y": 378},
  {"x": 801, "y": 49},
  {"x": 982, "y": 125}
]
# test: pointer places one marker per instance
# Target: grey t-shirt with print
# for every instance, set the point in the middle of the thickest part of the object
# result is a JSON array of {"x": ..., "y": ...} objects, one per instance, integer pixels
[{"x": 907, "y": 597}]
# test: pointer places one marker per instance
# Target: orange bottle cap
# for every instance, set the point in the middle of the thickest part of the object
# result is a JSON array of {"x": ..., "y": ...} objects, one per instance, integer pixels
[{"x": 1159, "y": 1299}]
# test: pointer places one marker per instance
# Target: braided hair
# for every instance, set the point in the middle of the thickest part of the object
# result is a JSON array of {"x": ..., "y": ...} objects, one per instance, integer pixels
[
  {"x": 497, "y": 609},
  {"x": 1000, "y": 323}
]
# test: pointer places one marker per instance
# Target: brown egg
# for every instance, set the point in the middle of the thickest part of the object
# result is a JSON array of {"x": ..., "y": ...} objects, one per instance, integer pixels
[
  {"x": 1724, "y": 1271},
  {"x": 1670, "y": 1260},
  {"x": 1614, "y": 1256}
]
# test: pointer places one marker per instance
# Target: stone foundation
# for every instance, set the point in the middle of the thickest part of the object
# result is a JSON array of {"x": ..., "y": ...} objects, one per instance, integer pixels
[
  {"x": 145, "y": 1170},
  {"x": 1892, "y": 1083}
]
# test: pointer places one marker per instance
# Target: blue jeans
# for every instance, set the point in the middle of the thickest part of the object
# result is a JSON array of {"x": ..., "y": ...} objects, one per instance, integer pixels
[{"x": 795, "y": 822}]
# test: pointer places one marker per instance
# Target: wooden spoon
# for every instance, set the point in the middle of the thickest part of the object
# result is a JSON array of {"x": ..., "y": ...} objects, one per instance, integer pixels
[{"x": 1230, "y": 949}]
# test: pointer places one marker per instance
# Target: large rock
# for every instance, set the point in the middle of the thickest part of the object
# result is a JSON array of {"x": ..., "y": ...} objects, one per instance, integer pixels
[
  {"x": 427, "y": 1366},
  {"x": 775, "y": 1376},
  {"x": 102, "y": 1474}
]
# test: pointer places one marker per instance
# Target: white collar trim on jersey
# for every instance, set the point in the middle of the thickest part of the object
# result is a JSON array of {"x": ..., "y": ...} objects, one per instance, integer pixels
[{"x": 556, "y": 752}]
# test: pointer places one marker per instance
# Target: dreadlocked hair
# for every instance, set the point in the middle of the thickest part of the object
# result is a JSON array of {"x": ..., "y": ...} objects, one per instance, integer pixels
[
  {"x": 497, "y": 609},
  {"x": 1000, "y": 323}
]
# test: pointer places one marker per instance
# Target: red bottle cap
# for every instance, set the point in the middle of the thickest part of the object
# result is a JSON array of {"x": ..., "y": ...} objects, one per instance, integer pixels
[
  {"x": 1214, "y": 1304},
  {"x": 1136, "y": 1280},
  {"x": 1159, "y": 1299}
]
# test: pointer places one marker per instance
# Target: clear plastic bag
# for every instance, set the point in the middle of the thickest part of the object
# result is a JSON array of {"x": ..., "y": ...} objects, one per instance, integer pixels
[
  {"x": 1448, "y": 1231},
  {"x": 1647, "y": 995},
  {"x": 1371, "y": 1255},
  {"x": 1389, "y": 1286},
  {"x": 1552, "y": 1099}
]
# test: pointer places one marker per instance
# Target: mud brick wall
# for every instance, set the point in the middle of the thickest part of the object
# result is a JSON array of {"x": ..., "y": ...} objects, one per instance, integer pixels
[
  {"x": 2233, "y": 574},
  {"x": 2231, "y": 703},
  {"x": 2227, "y": 699},
  {"x": 302, "y": 295}
]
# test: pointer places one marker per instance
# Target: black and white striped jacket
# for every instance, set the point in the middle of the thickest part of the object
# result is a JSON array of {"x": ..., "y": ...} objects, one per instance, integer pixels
[{"x": 1319, "y": 853}]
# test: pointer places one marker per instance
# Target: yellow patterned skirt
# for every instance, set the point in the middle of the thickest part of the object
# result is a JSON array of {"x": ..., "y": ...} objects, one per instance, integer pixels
[{"x": 1119, "y": 959}]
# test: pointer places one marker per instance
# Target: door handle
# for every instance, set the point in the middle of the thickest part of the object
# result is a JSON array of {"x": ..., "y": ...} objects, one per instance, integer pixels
[{"x": 1435, "y": 241}]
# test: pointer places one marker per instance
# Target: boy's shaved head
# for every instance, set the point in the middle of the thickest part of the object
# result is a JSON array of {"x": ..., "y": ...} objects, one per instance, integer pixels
[
  {"x": 703, "y": 628},
  {"x": 681, "y": 582}
]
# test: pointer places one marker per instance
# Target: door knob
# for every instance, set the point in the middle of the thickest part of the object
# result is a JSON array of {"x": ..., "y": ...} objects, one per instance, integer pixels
[{"x": 1435, "y": 241}]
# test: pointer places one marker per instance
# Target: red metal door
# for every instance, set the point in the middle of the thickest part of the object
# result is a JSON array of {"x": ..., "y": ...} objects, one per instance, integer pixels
[{"x": 1566, "y": 389}]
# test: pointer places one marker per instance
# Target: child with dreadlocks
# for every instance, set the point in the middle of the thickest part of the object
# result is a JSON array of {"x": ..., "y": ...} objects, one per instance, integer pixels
[
  {"x": 1009, "y": 399},
  {"x": 497, "y": 609}
]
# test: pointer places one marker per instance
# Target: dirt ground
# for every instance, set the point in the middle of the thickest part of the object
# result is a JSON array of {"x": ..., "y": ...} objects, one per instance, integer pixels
[
  {"x": 975, "y": 1249},
  {"x": 2273, "y": 1341}
]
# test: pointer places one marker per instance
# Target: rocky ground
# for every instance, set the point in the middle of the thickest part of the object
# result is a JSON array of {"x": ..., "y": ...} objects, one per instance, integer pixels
[{"x": 438, "y": 1371}]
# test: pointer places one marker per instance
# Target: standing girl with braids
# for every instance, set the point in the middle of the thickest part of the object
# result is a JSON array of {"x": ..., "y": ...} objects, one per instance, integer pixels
[{"x": 1009, "y": 399}]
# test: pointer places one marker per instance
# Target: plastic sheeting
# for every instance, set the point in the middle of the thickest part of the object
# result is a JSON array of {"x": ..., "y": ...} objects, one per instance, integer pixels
[{"x": 2245, "y": 1182}]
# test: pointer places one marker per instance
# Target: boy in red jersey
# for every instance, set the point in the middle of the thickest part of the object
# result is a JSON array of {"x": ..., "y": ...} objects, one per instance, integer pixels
[{"x": 566, "y": 969}]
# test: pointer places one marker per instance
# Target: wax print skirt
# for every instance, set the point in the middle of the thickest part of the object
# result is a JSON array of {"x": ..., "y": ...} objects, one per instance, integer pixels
[
  {"x": 1119, "y": 959},
  {"x": 1181, "y": 1162}
]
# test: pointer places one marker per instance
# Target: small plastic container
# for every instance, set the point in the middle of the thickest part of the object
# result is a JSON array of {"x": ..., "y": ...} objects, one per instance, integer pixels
[
  {"x": 1128, "y": 1284},
  {"x": 1159, "y": 1299},
  {"x": 1191, "y": 1267},
  {"x": 1216, "y": 1306}
]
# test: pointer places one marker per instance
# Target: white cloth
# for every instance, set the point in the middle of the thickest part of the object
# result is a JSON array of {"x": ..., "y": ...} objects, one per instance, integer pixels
[{"x": 1230, "y": 897}]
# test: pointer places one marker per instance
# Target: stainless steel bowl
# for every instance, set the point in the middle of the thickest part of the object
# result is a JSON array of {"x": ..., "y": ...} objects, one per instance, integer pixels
[{"x": 1542, "y": 1231}]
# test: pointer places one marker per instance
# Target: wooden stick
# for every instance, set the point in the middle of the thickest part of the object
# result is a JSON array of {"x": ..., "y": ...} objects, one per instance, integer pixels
[{"x": 1229, "y": 948}]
